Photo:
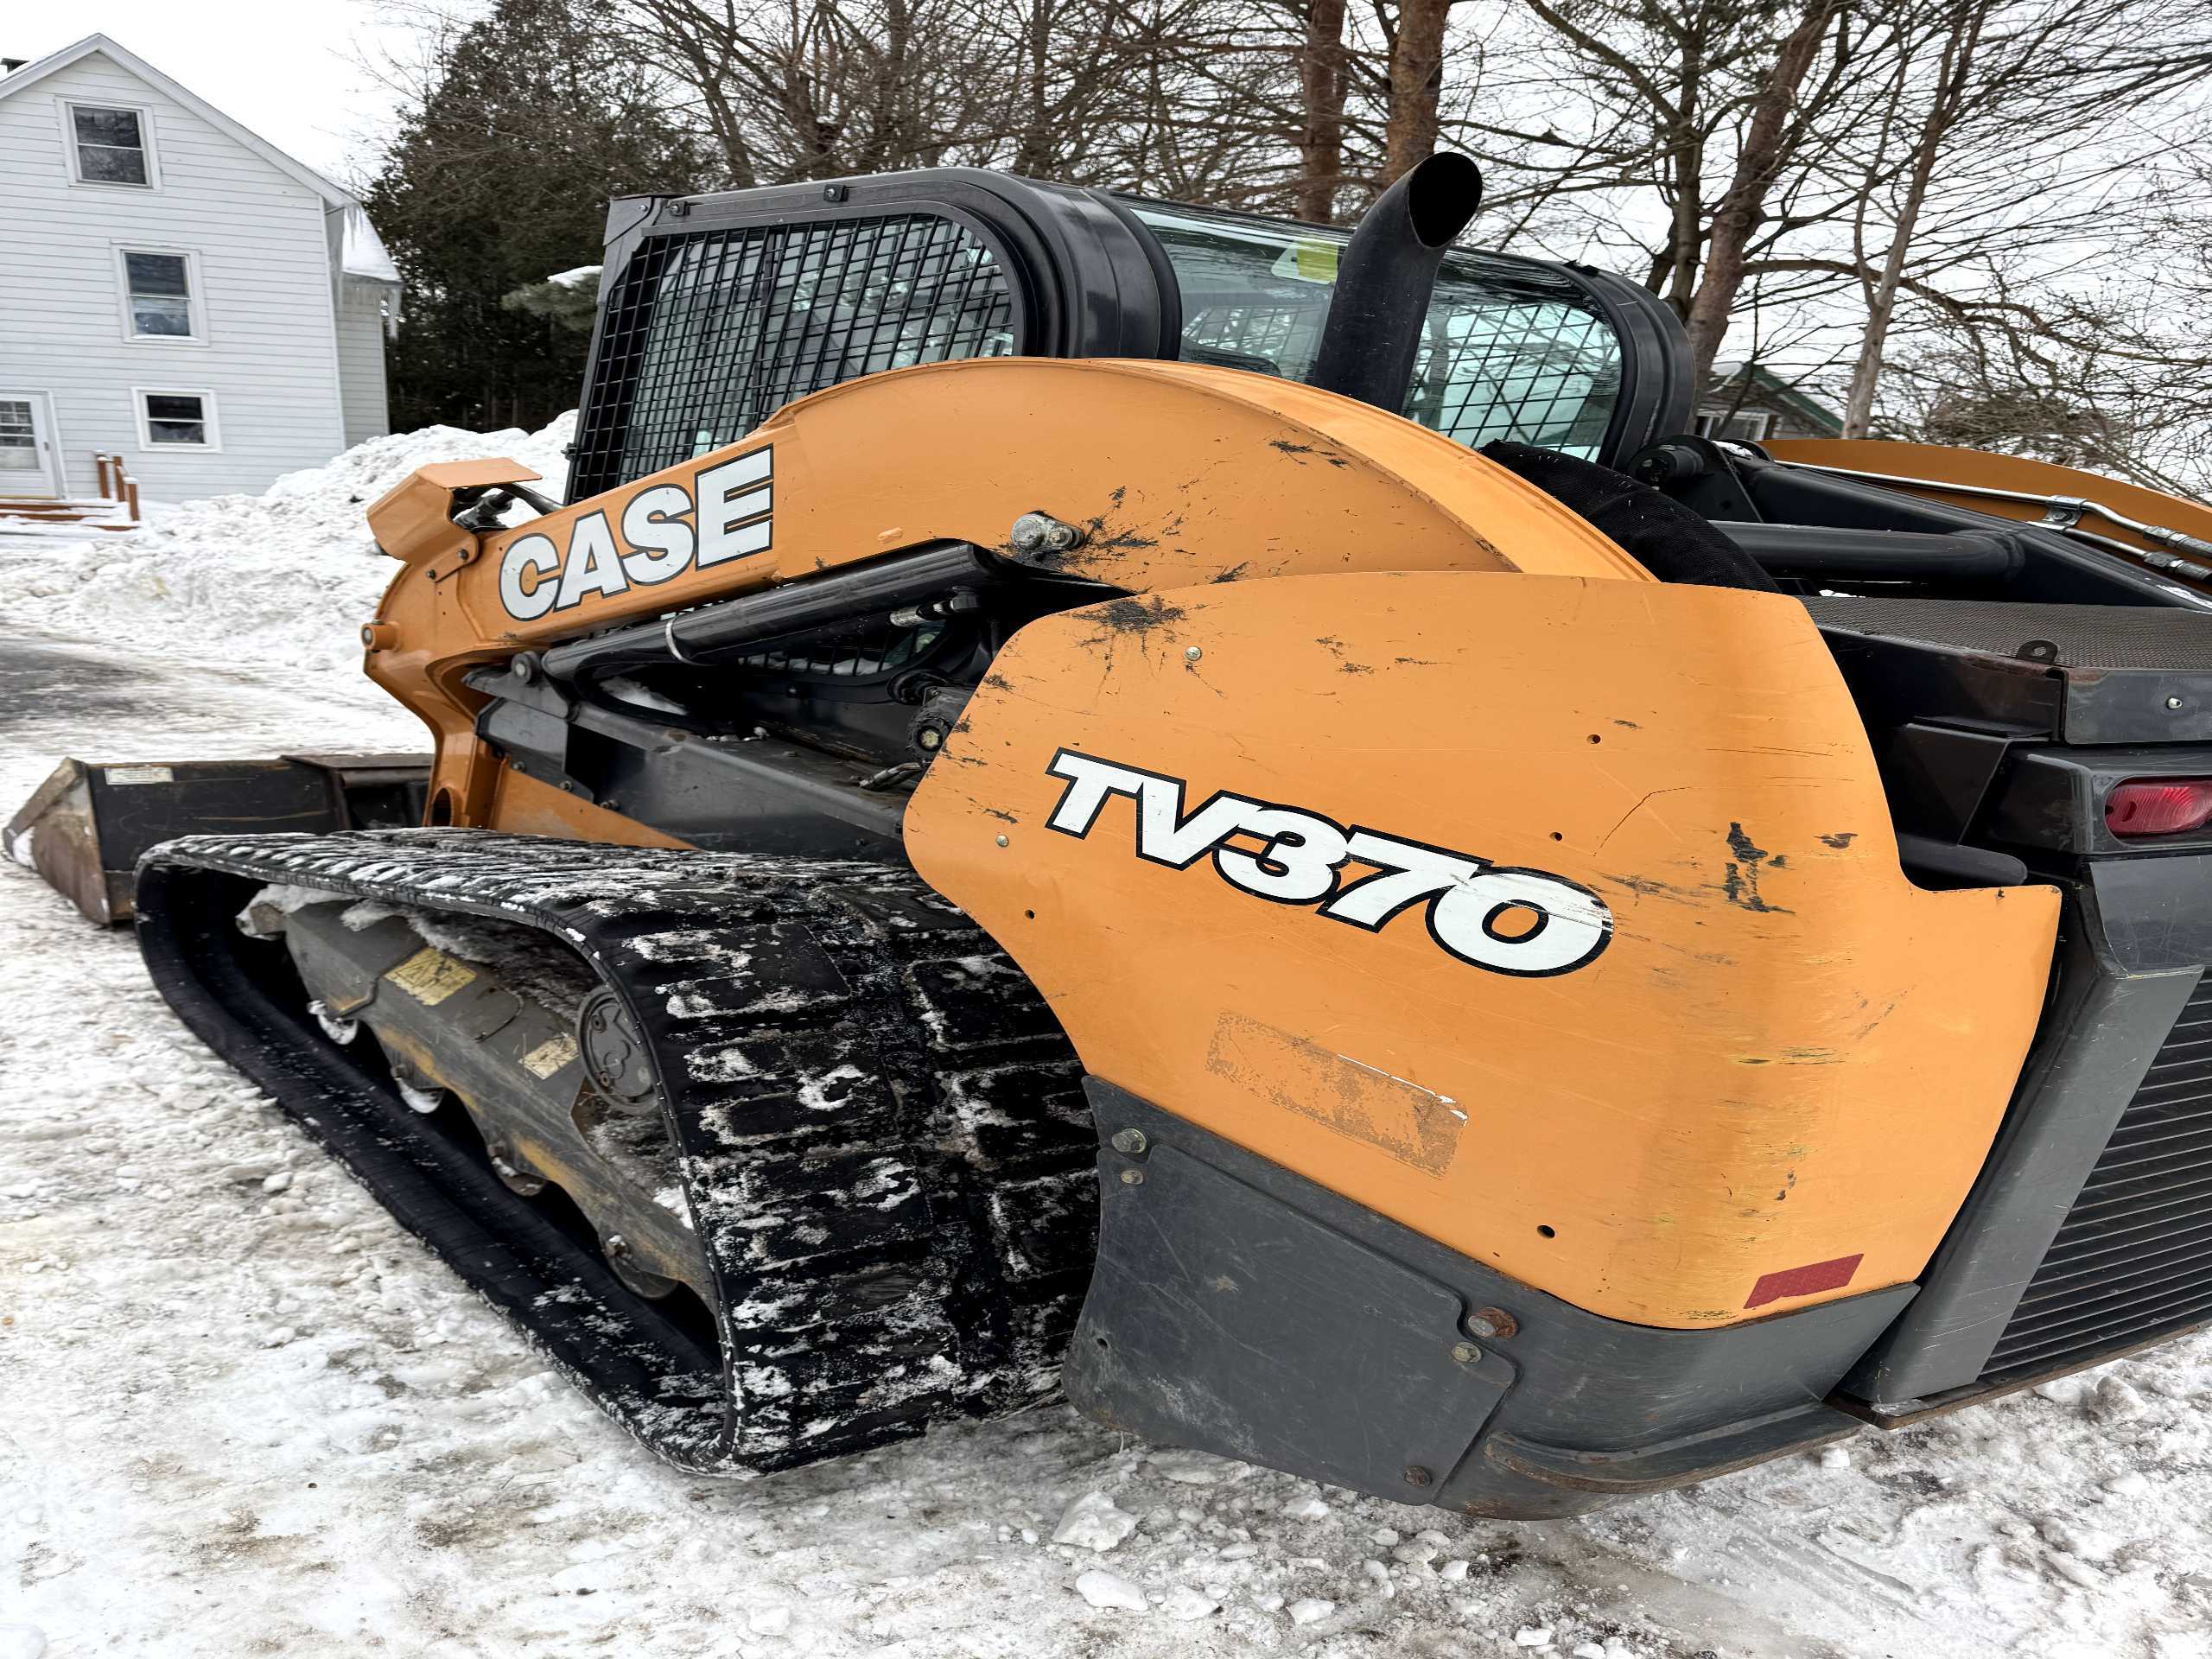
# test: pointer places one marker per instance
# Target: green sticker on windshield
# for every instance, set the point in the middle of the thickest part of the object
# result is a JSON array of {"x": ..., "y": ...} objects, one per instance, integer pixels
[{"x": 1308, "y": 261}]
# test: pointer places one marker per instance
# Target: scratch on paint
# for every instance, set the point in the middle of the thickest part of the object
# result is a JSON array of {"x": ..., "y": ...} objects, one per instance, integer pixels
[{"x": 1739, "y": 881}]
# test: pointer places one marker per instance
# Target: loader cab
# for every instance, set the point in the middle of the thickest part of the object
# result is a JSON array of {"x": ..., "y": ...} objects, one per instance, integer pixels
[{"x": 716, "y": 310}]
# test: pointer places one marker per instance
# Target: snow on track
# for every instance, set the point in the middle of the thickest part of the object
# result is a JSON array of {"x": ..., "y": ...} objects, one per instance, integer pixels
[{"x": 240, "y": 1412}]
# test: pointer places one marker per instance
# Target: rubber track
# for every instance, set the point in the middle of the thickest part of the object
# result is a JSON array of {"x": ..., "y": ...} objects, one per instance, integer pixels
[{"x": 879, "y": 1123}]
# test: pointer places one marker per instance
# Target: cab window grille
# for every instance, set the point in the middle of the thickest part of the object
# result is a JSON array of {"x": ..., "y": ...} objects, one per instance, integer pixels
[
  {"x": 708, "y": 334},
  {"x": 1498, "y": 364}
]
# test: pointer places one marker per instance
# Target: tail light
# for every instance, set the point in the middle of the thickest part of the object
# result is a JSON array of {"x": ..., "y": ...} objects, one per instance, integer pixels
[{"x": 2159, "y": 807}]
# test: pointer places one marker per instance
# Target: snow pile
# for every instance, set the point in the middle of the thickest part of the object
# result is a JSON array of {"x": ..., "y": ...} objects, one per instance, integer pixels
[{"x": 281, "y": 580}]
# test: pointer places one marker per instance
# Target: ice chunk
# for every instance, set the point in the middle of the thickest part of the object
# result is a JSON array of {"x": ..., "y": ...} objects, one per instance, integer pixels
[
  {"x": 1094, "y": 1522},
  {"x": 1191, "y": 1468},
  {"x": 1188, "y": 1603},
  {"x": 1310, "y": 1610},
  {"x": 1835, "y": 1456},
  {"x": 1106, "y": 1590},
  {"x": 2117, "y": 1401},
  {"x": 1533, "y": 1636},
  {"x": 1305, "y": 1509},
  {"x": 21, "y": 1642}
]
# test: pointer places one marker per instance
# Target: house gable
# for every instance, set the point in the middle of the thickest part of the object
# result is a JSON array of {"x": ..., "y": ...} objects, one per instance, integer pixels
[
  {"x": 31, "y": 74},
  {"x": 256, "y": 238}
]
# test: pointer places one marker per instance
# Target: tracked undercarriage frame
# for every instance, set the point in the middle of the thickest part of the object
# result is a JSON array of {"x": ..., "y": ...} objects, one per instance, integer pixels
[{"x": 884, "y": 1246}]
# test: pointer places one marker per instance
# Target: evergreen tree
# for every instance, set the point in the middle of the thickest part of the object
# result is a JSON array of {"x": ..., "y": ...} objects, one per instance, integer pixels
[{"x": 498, "y": 178}]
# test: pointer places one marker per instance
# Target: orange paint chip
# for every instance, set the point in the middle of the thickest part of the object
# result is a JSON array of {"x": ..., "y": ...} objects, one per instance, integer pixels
[{"x": 1803, "y": 1281}]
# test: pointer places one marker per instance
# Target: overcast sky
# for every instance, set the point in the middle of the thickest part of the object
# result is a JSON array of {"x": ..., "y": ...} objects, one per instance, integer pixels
[{"x": 284, "y": 68}]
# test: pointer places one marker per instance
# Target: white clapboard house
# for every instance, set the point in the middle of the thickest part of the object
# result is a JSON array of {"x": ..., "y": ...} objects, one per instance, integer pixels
[{"x": 173, "y": 291}]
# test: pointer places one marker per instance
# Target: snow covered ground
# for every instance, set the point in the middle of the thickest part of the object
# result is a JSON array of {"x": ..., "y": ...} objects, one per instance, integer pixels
[{"x": 241, "y": 1413}]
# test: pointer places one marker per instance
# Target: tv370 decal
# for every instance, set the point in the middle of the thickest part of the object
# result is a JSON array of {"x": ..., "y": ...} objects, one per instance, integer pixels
[{"x": 1508, "y": 919}]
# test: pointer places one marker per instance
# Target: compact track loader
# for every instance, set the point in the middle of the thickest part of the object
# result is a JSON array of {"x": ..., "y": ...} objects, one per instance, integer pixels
[{"x": 1246, "y": 822}]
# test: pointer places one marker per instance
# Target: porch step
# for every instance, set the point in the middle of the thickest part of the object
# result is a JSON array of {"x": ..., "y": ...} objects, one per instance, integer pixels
[{"x": 66, "y": 512}]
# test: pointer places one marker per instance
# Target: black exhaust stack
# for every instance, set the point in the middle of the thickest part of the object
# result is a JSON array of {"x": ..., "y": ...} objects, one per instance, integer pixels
[{"x": 1384, "y": 278}]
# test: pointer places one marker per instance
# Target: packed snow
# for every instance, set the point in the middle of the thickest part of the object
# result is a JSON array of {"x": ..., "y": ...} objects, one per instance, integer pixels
[
  {"x": 245, "y": 1413},
  {"x": 280, "y": 580}
]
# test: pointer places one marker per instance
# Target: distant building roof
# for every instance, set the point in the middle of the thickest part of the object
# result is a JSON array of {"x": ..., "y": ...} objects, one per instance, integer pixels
[{"x": 1769, "y": 391}]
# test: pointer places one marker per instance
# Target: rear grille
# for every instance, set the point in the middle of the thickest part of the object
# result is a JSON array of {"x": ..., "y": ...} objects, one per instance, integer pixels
[
  {"x": 2133, "y": 1258},
  {"x": 708, "y": 334}
]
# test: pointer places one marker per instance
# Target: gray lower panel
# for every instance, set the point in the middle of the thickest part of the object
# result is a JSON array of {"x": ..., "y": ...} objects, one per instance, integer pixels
[
  {"x": 1246, "y": 1311},
  {"x": 1221, "y": 1311}
]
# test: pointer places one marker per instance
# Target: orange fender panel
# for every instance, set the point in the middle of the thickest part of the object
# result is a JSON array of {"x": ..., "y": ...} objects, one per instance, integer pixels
[{"x": 1561, "y": 919}]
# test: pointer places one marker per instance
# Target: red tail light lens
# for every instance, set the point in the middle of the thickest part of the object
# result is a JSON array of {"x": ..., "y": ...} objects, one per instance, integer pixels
[{"x": 2162, "y": 806}]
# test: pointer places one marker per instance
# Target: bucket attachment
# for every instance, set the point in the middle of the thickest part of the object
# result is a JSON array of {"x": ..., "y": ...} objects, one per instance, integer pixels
[{"x": 85, "y": 827}]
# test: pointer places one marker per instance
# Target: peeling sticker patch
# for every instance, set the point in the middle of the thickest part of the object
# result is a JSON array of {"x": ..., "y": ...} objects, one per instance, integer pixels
[
  {"x": 1409, "y": 1124},
  {"x": 431, "y": 975},
  {"x": 549, "y": 1056}
]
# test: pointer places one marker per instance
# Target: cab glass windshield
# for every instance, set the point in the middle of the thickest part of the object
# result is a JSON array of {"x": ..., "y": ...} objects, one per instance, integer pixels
[{"x": 1510, "y": 350}]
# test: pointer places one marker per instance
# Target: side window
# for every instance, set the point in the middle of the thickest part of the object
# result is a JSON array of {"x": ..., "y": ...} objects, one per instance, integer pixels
[
  {"x": 110, "y": 145},
  {"x": 177, "y": 420},
  {"x": 1511, "y": 348},
  {"x": 1255, "y": 293},
  {"x": 159, "y": 301}
]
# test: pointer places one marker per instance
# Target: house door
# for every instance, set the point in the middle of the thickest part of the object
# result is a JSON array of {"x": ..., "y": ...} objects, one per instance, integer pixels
[{"x": 29, "y": 463}]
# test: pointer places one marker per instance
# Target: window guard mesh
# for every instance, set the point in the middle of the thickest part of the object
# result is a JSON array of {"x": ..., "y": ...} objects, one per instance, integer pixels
[{"x": 708, "y": 334}]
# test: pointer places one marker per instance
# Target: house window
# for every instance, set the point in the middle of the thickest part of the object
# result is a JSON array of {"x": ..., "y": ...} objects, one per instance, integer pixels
[
  {"x": 177, "y": 420},
  {"x": 110, "y": 144},
  {"x": 1752, "y": 424},
  {"x": 158, "y": 290}
]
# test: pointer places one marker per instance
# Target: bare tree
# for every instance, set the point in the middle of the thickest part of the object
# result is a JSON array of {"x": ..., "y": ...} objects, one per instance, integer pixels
[
  {"x": 1325, "y": 83},
  {"x": 1416, "y": 84}
]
